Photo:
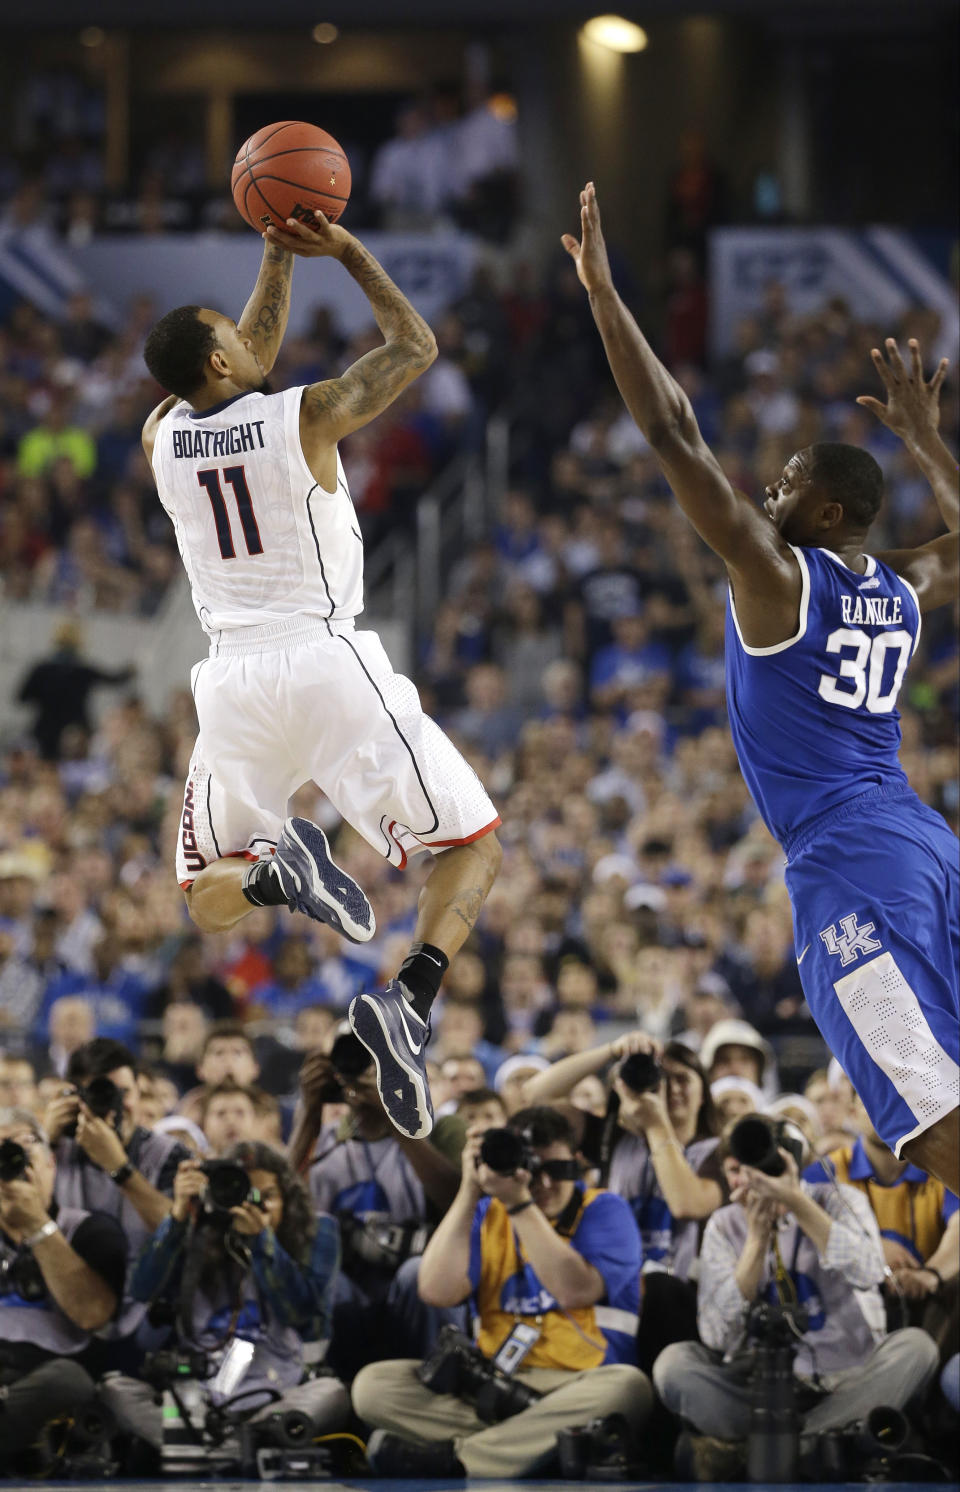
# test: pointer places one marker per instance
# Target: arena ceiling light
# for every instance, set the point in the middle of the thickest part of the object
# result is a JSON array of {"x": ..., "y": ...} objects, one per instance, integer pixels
[
  {"x": 324, "y": 33},
  {"x": 615, "y": 33}
]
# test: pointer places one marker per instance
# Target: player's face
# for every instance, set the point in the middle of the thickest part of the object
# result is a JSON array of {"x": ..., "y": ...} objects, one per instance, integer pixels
[
  {"x": 789, "y": 501},
  {"x": 237, "y": 352}
]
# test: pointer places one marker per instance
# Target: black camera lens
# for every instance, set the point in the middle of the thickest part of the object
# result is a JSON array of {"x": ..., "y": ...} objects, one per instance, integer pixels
[
  {"x": 504, "y": 1151},
  {"x": 14, "y": 1160},
  {"x": 641, "y": 1072},
  {"x": 228, "y": 1184},
  {"x": 753, "y": 1143},
  {"x": 102, "y": 1097},
  {"x": 349, "y": 1057}
]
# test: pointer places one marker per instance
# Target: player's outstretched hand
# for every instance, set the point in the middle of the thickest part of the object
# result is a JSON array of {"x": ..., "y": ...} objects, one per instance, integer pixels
[
  {"x": 913, "y": 406},
  {"x": 319, "y": 239},
  {"x": 590, "y": 254}
]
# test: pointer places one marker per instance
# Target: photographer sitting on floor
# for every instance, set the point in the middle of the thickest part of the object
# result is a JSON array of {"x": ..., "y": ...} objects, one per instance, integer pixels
[
  {"x": 814, "y": 1251},
  {"x": 61, "y": 1277},
  {"x": 240, "y": 1260},
  {"x": 386, "y": 1191},
  {"x": 553, "y": 1268}
]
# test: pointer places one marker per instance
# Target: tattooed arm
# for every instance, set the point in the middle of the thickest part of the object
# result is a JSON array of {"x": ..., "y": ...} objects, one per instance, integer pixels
[
  {"x": 335, "y": 407},
  {"x": 265, "y": 315}
]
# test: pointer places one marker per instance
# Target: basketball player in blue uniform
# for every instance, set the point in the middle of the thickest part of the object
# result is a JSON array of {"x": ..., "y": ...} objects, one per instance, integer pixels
[{"x": 819, "y": 636}]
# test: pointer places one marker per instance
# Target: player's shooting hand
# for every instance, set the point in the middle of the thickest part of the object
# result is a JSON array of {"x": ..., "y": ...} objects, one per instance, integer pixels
[
  {"x": 320, "y": 239},
  {"x": 590, "y": 254},
  {"x": 913, "y": 405}
]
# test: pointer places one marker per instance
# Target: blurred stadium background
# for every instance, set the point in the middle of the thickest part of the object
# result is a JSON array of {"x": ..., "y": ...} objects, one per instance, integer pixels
[{"x": 778, "y": 185}]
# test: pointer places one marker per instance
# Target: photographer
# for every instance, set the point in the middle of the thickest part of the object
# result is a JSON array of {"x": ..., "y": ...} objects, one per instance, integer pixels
[
  {"x": 107, "y": 1162},
  {"x": 656, "y": 1147},
  {"x": 61, "y": 1272},
  {"x": 385, "y": 1190},
  {"x": 794, "y": 1244},
  {"x": 553, "y": 1269},
  {"x": 259, "y": 1270}
]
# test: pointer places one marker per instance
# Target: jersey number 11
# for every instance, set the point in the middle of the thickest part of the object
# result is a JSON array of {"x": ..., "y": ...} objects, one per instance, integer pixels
[{"x": 235, "y": 475}]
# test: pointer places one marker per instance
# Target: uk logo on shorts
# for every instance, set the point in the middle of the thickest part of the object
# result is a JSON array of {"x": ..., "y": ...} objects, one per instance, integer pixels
[{"x": 852, "y": 941}]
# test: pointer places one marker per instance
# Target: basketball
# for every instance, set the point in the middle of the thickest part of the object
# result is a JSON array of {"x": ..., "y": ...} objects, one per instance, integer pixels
[{"x": 288, "y": 170}]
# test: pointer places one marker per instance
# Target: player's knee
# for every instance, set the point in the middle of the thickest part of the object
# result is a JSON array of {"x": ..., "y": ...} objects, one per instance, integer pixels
[
  {"x": 490, "y": 851},
  {"x": 201, "y": 910}
]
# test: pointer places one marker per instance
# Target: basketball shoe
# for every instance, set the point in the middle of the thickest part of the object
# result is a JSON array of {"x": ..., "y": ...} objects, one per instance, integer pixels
[
  {"x": 314, "y": 884},
  {"x": 396, "y": 1039}
]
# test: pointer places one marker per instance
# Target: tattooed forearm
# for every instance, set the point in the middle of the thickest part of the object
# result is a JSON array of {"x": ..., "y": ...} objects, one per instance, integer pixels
[
  {"x": 265, "y": 314},
  {"x": 374, "y": 381}
]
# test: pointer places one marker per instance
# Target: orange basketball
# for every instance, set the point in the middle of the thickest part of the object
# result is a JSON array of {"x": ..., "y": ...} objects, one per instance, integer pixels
[{"x": 287, "y": 170}]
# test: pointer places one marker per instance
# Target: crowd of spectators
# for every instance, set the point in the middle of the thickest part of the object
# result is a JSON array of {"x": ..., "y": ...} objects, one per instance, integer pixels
[
  {"x": 576, "y": 658},
  {"x": 451, "y": 163}
]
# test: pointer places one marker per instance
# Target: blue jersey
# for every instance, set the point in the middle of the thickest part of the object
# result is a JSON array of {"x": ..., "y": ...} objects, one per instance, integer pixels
[{"x": 814, "y": 719}]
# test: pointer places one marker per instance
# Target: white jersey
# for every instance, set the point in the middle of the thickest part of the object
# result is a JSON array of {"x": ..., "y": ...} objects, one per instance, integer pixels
[{"x": 262, "y": 542}]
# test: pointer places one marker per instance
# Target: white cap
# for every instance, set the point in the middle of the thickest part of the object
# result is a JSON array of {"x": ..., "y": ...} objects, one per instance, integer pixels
[
  {"x": 778, "y": 1108},
  {"x": 733, "y": 1033},
  {"x": 520, "y": 1060},
  {"x": 645, "y": 894},
  {"x": 734, "y": 1084},
  {"x": 179, "y": 1124}
]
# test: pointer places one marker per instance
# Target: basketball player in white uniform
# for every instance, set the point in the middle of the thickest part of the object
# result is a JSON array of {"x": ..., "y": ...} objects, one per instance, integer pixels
[{"x": 290, "y": 691}]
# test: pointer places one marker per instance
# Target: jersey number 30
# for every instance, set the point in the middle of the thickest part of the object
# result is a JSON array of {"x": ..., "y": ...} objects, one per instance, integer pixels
[
  {"x": 235, "y": 475},
  {"x": 860, "y": 679}
]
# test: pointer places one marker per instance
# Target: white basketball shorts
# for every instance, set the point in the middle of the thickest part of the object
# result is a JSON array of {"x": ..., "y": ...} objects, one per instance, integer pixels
[{"x": 319, "y": 704}]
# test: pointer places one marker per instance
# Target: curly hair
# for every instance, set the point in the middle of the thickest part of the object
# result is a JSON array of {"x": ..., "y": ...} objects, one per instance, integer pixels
[{"x": 298, "y": 1225}]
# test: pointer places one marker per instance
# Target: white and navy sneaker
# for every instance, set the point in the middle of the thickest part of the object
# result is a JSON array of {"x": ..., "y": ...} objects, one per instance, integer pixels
[
  {"x": 396, "y": 1039},
  {"x": 315, "y": 884}
]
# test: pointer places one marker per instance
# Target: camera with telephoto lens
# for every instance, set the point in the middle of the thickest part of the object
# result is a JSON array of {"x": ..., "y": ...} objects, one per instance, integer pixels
[
  {"x": 773, "y": 1439},
  {"x": 228, "y": 1185},
  {"x": 348, "y": 1058},
  {"x": 104, "y": 1100},
  {"x": 641, "y": 1072},
  {"x": 457, "y": 1367},
  {"x": 757, "y": 1141},
  {"x": 506, "y": 1151},
  {"x": 14, "y": 1160}
]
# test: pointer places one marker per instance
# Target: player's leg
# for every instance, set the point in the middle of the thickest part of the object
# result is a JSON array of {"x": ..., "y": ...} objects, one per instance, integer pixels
[
  {"x": 393, "y": 774},
  {"x": 937, "y": 1151},
  {"x": 234, "y": 854},
  {"x": 394, "y": 1023},
  {"x": 875, "y": 918}
]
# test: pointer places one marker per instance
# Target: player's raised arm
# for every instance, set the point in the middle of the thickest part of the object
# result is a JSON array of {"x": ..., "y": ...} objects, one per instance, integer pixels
[
  {"x": 726, "y": 519},
  {"x": 339, "y": 405},
  {"x": 912, "y": 411},
  {"x": 265, "y": 315}
]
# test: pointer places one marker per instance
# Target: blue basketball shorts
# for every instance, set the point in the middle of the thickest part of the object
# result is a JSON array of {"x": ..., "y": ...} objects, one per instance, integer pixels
[{"x": 875, "y": 888}]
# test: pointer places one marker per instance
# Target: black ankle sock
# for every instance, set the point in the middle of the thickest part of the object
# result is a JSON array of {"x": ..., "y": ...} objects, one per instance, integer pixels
[
  {"x": 261, "y": 886},
  {"x": 421, "y": 973}
]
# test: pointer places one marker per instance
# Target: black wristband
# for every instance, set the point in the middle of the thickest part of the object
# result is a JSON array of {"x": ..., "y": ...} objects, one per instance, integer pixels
[
  {"x": 122, "y": 1174},
  {"x": 512, "y": 1211}
]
